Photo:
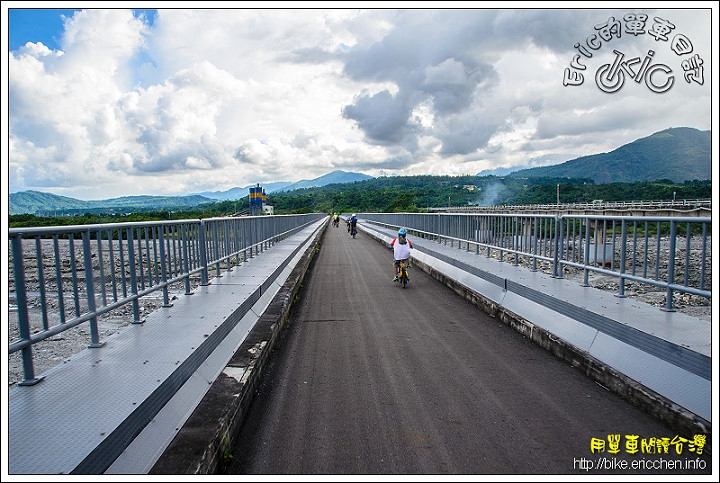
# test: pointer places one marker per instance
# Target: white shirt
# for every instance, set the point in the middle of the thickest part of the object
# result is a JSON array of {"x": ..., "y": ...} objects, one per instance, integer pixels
[{"x": 401, "y": 251}]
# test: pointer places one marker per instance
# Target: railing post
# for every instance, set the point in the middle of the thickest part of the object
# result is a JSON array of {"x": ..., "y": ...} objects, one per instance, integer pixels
[
  {"x": 586, "y": 257},
  {"x": 216, "y": 246},
  {"x": 516, "y": 240},
  {"x": 29, "y": 378},
  {"x": 41, "y": 283},
  {"x": 623, "y": 258},
  {"x": 671, "y": 269},
  {"x": 133, "y": 275},
  {"x": 203, "y": 255},
  {"x": 90, "y": 287},
  {"x": 557, "y": 269},
  {"x": 186, "y": 256},
  {"x": 163, "y": 267}
]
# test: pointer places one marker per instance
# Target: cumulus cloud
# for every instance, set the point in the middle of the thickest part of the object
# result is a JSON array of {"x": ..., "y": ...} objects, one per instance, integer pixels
[{"x": 186, "y": 100}]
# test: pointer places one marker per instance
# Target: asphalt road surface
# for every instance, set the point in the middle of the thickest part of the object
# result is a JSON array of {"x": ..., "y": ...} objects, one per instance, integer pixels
[{"x": 372, "y": 379}]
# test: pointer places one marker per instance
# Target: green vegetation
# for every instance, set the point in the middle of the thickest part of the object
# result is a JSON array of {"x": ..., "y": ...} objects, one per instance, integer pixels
[{"x": 409, "y": 194}]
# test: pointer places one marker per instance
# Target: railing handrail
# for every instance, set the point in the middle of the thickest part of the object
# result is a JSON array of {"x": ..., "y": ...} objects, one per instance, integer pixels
[{"x": 702, "y": 204}]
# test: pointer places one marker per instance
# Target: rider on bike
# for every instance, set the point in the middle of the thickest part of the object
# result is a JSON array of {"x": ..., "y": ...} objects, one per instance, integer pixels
[
  {"x": 352, "y": 224},
  {"x": 401, "y": 250}
]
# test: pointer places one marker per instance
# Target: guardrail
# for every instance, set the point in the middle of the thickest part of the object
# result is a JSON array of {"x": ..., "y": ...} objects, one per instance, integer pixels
[
  {"x": 673, "y": 206},
  {"x": 85, "y": 271},
  {"x": 672, "y": 253}
]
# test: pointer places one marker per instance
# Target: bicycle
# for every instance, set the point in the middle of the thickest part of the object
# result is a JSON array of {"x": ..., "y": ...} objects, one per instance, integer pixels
[{"x": 403, "y": 275}]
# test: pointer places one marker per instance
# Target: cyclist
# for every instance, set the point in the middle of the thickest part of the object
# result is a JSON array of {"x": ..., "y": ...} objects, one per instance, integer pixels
[
  {"x": 401, "y": 250},
  {"x": 352, "y": 227}
]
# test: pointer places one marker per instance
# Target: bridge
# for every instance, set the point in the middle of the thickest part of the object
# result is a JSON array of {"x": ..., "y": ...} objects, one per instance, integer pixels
[
  {"x": 177, "y": 385},
  {"x": 692, "y": 208}
]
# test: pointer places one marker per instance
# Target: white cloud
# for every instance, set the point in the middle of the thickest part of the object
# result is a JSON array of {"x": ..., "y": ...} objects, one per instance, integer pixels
[{"x": 209, "y": 99}]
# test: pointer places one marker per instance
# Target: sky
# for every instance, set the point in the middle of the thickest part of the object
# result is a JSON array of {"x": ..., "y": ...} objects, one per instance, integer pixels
[{"x": 107, "y": 101}]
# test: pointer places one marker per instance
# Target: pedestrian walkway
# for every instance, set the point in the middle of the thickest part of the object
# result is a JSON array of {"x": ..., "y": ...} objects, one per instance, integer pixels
[{"x": 121, "y": 404}]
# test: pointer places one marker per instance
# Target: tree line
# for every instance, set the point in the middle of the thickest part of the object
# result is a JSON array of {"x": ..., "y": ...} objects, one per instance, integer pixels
[{"x": 409, "y": 194}]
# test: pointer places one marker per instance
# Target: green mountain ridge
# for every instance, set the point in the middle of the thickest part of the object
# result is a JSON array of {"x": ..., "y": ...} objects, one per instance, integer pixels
[
  {"x": 677, "y": 154},
  {"x": 47, "y": 204}
]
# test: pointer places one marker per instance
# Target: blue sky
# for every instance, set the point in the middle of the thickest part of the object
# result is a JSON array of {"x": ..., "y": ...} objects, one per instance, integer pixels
[
  {"x": 41, "y": 25},
  {"x": 110, "y": 102},
  {"x": 36, "y": 25}
]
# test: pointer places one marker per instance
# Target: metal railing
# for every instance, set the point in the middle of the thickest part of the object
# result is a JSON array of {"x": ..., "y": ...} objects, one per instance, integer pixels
[
  {"x": 79, "y": 273},
  {"x": 680, "y": 207},
  {"x": 672, "y": 253}
]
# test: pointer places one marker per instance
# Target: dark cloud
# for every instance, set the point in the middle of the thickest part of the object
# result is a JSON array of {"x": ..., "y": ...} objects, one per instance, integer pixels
[
  {"x": 382, "y": 117},
  {"x": 466, "y": 135},
  {"x": 242, "y": 155},
  {"x": 396, "y": 163},
  {"x": 434, "y": 59},
  {"x": 443, "y": 59},
  {"x": 302, "y": 140}
]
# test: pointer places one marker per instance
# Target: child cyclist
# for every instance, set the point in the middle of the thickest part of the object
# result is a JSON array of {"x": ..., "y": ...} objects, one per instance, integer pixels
[{"x": 401, "y": 250}]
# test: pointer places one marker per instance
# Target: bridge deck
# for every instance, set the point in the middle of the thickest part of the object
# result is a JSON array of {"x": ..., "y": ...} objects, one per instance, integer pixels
[{"x": 83, "y": 417}]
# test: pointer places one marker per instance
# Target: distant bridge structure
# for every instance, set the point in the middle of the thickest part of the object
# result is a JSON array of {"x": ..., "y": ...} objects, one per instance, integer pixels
[{"x": 696, "y": 208}]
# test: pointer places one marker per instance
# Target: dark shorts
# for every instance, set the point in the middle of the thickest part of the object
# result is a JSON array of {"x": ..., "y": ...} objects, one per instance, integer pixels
[{"x": 396, "y": 263}]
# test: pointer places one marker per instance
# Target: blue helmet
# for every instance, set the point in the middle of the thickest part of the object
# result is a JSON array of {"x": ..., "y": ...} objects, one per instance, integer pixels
[{"x": 402, "y": 232}]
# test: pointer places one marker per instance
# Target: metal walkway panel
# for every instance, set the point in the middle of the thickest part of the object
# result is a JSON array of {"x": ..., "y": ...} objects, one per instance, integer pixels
[
  {"x": 86, "y": 411},
  {"x": 690, "y": 390},
  {"x": 140, "y": 456}
]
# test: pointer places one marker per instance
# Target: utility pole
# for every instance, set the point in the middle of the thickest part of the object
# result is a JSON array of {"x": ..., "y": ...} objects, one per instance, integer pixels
[{"x": 558, "y": 194}]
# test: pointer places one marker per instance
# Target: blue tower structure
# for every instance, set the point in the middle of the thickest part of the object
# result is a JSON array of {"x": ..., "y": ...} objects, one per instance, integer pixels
[{"x": 257, "y": 200}]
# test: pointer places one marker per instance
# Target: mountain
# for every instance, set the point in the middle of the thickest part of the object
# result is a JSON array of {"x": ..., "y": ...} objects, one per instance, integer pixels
[
  {"x": 238, "y": 193},
  {"x": 36, "y": 202},
  {"x": 334, "y": 177},
  {"x": 547, "y": 159},
  {"x": 330, "y": 178},
  {"x": 47, "y": 204},
  {"x": 678, "y": 154}
]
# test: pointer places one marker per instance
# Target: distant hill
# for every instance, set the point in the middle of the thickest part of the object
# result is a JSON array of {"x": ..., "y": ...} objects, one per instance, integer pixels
[
  {"x": 678, "y": 154},
  {"x": 47, "y": 204},
  {"x": 545, "y": 160},
  {"x": 238, "y": 193},
  {"x": 330, "y": 178},
  {"x": 334, "y": 177}
]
